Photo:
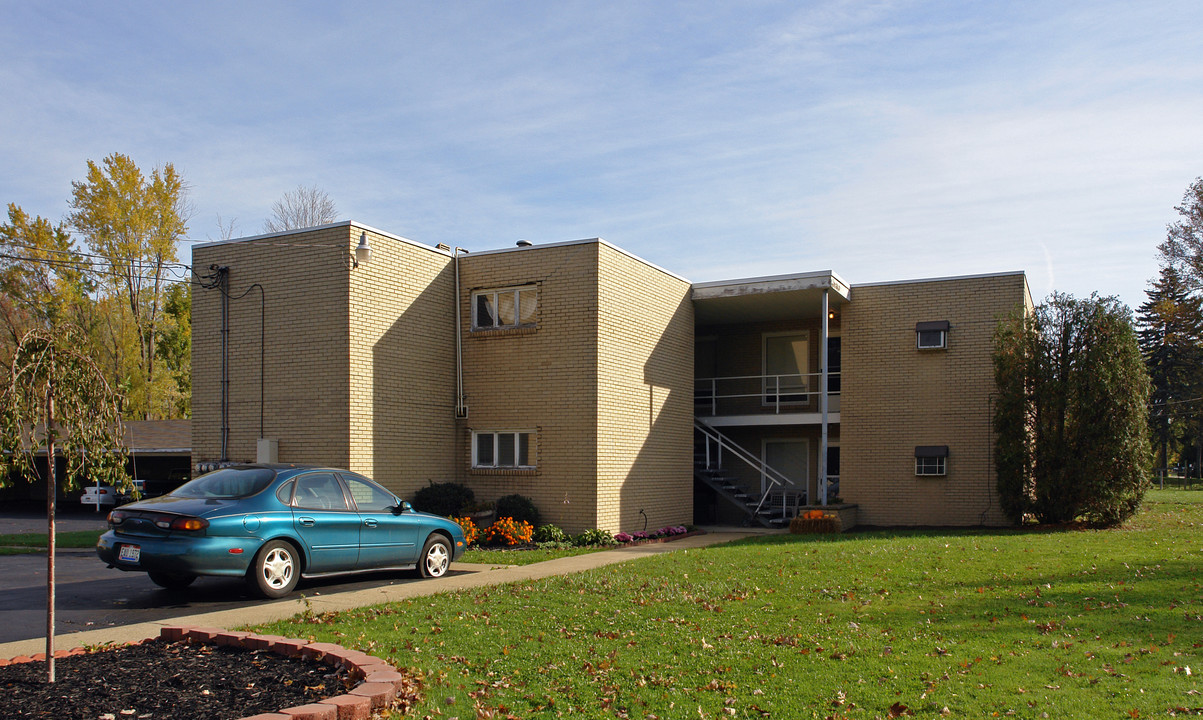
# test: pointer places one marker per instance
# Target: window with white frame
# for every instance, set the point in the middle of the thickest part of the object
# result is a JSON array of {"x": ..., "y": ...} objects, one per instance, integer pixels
[
  {"x": 504, "y": 308},
  {"x": 786, "y": 363},
  {"x": 931, "y": 335},
  {"x": 503, "y": 449},
  {"x": 931, "y": 460}
]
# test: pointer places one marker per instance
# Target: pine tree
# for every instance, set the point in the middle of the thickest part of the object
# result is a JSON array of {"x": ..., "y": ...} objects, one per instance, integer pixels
[{"x": 1171, "y": 340}]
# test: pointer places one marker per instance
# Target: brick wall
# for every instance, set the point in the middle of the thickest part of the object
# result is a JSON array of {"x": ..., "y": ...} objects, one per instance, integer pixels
[
  {"x": 402, "y": 365},
  {"x": 305, "y": 384},
  {"x": 896, "y": 397},
  {"x": 359, "y": 366},
  {"x": 645, "y": 395},
  {"x": 541, "y": 379}
]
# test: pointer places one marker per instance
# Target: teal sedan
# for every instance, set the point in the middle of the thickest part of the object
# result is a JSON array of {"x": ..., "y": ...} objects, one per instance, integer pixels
[{"x": 273, "y": 524}]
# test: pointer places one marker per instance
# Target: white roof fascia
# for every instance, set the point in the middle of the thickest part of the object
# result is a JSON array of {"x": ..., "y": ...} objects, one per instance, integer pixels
[
  {"x": 583, "y": 241},
  {"x": 774, "y": 283},
  {"x": 342, "y": 223},
  {"x": 944, "y": 279}
]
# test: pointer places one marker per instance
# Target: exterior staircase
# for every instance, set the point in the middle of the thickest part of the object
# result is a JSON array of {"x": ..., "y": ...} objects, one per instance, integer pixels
[{"x": 773, "y": 509}]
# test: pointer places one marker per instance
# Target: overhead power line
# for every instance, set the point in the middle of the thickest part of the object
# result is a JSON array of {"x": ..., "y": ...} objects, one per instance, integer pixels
[{"x": 174, "y": 270}]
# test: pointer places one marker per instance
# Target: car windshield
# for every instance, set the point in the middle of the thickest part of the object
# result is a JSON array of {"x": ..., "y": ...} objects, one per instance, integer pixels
[{"x": 227, "y": 483}]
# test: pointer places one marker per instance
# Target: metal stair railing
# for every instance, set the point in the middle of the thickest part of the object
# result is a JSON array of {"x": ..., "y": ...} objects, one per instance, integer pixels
[{"x": 774, "y": 477}]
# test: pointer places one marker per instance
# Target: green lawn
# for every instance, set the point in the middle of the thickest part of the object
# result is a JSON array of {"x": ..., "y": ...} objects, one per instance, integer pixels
[
  {"x": 1029, "y": 624},
  {"x": 21, "y": 543},
  {"x": 491, "y": 556}
]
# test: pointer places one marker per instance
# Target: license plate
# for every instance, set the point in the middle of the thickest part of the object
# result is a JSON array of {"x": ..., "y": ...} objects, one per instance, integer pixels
[{"x": 129, "y": 553}]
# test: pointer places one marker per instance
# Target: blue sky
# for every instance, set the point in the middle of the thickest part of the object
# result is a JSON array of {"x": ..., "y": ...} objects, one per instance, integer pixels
[{"x": 882, "y": 140}]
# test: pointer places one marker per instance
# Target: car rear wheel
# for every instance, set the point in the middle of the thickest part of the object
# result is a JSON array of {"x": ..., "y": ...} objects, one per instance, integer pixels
[
  {"x": 275, "y": 570},
  {"x": 171, "y": 581},
  {"x": 435, "y": 558}
]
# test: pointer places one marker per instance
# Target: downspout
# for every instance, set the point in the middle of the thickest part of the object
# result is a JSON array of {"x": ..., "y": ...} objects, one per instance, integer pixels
[
  {"x": 461, "y": 405},
  {"x": 223, "y": 285},
  {"x": 823, "y": 401}
]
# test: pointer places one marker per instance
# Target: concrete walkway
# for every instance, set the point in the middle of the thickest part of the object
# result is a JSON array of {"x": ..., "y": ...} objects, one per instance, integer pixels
[{"x": 468, "y": 577}]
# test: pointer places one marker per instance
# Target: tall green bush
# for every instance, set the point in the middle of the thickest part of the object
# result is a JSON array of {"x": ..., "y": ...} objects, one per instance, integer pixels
[
  {"x": 446, "y": 499},
  {"x": 1069, "y": 417},
  {"x": 519, "y": 507}
]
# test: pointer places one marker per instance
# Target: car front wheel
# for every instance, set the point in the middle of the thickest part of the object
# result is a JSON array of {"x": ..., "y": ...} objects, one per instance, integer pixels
[
  {"x": 435, "y": 558},
  {"x": 275, "y": 570}
]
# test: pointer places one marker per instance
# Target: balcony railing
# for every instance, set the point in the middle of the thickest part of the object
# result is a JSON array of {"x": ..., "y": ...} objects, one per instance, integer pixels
[{"x": 751, "y": 394}]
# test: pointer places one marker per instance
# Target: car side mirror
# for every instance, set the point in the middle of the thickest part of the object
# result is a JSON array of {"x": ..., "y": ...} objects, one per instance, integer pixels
[{"x": 402, "y": 507}]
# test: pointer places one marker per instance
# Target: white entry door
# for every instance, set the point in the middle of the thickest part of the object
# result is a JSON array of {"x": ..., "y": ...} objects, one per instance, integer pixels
[{"x": 791, "y": 458}]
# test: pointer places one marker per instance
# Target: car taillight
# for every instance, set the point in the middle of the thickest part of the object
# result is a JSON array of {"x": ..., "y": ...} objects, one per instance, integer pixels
[
  {"x": 102, "y": 491},
  {"x": 189, "y": 523},
  {"x": 170, "y": 522},
  {"x": 117, "y": 517}
]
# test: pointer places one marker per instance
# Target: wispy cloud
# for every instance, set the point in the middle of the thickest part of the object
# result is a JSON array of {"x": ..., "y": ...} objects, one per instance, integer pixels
[{"x": 882, "y": 140}]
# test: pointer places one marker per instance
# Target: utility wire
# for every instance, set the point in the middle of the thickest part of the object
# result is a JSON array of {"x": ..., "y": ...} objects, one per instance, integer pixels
[{"x": 176, "y": 271}]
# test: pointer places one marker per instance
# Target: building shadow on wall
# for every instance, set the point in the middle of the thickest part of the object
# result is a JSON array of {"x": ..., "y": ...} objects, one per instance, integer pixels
[
  {"x": 413, "y": 435},
  {"x": 658, "y": 490}
]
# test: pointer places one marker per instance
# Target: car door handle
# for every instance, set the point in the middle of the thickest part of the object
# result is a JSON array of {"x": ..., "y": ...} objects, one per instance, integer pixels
[
  {"x": 370, "y": 522},
  {"x": 306, "y": 521}
]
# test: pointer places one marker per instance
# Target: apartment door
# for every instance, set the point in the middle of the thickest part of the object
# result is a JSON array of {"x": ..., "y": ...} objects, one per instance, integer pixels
[{"x": 791, "y": 458}]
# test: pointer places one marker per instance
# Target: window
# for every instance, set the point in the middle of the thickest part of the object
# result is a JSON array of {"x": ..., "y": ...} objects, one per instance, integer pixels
[
  {"x": 504, "y": 308},
  {"x": 931, "y": 459},
  {"x": 931, "y": 335},
  {"x": 285, "y": 492},
  {"x": 833, "y": 365},
  {"x": 786, "y": 359},
  {"x": 319, "y": 491},
  {"x": 368, "y": 496},
  {"x": 503, "y": 449}
]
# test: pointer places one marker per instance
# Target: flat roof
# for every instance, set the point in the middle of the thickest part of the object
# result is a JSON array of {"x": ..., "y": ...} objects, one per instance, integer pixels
[
  {"x": 583, "y": 241},
  {"x": 704, "y": 291},
  {"x": 772, "y": 283},
  {"x": 259, "y": 239},
  {"x": 942, "y": 279}
]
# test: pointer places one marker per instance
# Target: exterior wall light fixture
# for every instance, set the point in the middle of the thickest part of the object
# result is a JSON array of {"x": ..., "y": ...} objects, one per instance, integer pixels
[{"x": 363, "y": 252}]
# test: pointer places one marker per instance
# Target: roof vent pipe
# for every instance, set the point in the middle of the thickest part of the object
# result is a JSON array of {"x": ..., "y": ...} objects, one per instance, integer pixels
[{"x": 524, "y": 243}]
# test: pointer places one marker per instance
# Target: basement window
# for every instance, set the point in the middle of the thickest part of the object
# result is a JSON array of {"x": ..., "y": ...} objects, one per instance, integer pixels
[
  {"x": 504, "y": 449},
  {"x": 931, "y": 335},
  {"x": 931, "y": 460},
  {"x": 504, "y": 308}
]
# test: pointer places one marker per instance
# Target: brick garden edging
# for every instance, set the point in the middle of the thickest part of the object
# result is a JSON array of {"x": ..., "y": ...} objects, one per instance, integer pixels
[
  {"x": 655, "y": 541},
  {"x": 377, "y": 690}
]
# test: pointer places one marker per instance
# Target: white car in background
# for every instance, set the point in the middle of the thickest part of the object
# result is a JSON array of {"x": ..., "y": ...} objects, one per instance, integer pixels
[{"x": 106, "y": 495}]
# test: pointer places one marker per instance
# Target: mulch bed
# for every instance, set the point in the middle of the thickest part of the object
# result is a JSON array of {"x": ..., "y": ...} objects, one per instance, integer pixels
[{"x": 161, "y": 680}]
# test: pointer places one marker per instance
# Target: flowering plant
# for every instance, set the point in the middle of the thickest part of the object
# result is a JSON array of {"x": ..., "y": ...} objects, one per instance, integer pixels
[
  {"x": 471, "y": 532},
  {"x": 664, "y": 532},
  {"x": 507, "y": 531}
]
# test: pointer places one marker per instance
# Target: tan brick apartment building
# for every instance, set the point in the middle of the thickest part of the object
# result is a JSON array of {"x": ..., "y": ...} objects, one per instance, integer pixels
[{"x": 612, "y": 392}]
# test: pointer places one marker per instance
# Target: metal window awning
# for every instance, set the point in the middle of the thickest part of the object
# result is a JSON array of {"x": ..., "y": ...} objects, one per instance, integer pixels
[{"x": 930, "y": 451}]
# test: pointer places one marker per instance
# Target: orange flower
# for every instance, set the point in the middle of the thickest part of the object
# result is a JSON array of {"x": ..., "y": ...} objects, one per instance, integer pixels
[
  {"x": 471, "y": 532},
  {"x": 506, "y": 531}
]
